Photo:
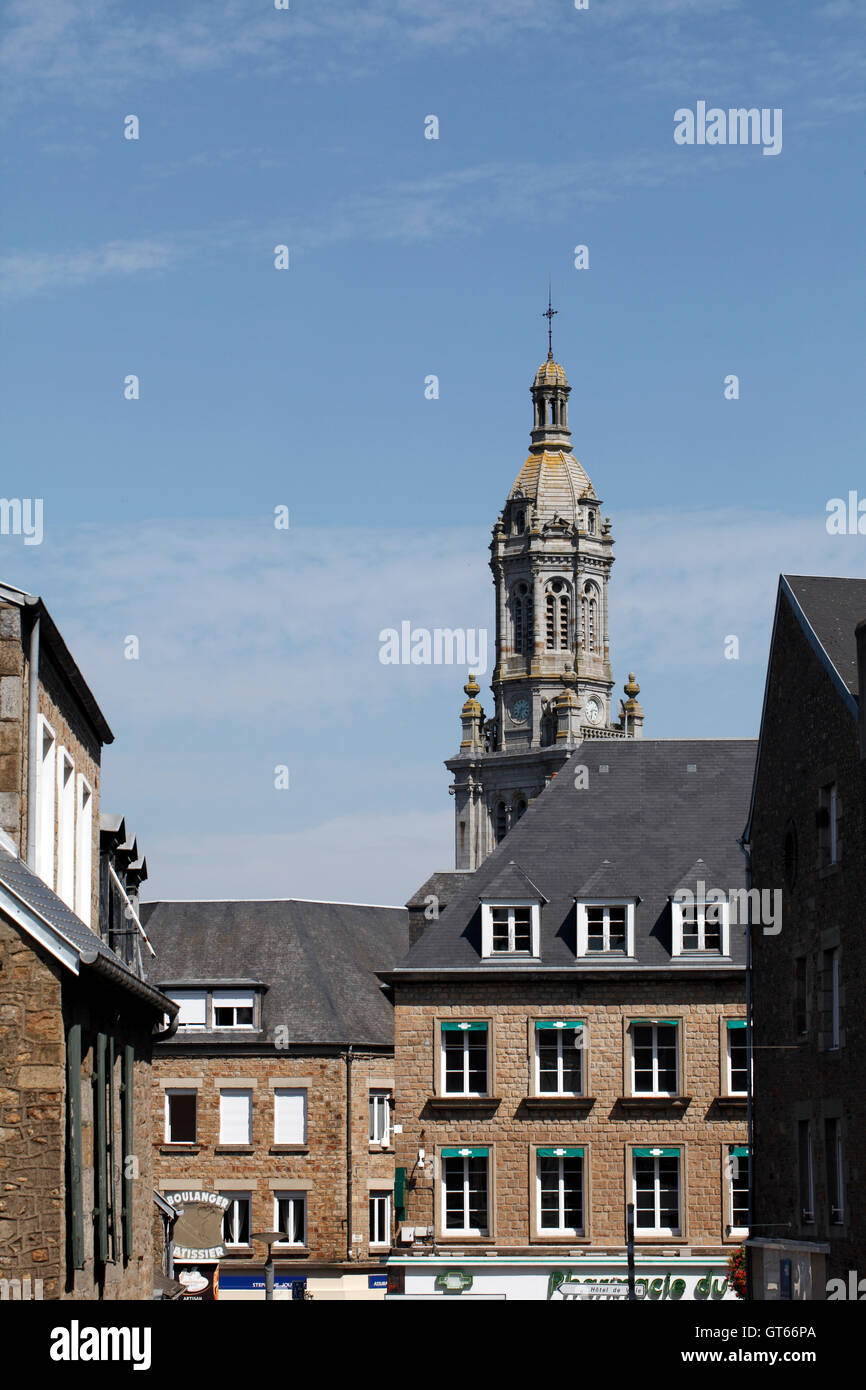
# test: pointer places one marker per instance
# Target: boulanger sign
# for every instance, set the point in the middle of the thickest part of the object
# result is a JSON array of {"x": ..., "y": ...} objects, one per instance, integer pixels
[{"x": 197, "y": 1232}]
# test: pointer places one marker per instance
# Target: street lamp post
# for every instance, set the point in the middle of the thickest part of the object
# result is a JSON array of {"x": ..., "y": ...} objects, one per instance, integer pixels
[{"x": 269, "y": 1237}]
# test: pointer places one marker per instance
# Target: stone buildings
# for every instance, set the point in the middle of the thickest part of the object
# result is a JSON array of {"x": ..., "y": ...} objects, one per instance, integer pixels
[
  {"x": 807, "y": 839},
  {"x": 276, "y": 1091},
  {"x": 76, "y": 1018},
  {"x": 551, "y": 557},
  {"x": 570, "y": 1037}
]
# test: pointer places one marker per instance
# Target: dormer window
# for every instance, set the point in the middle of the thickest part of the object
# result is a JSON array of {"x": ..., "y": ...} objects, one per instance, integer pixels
[
  {"x": 209, "y": 1008},
  {"x": 233, "y": 1008},
  {"x": 510, "y": 929},
  {"x": 605, "y": 928},
  {"x": 701, "y": 924}
]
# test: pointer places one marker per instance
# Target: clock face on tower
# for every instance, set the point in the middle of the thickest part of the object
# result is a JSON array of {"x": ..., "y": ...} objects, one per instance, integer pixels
[
  {"x": 520, "y": 710},
  {"x": 593, "y": 710}
]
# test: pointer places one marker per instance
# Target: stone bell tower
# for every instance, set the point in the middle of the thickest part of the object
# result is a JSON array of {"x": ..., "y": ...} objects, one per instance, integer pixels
[{"x": 551, "y": 557}]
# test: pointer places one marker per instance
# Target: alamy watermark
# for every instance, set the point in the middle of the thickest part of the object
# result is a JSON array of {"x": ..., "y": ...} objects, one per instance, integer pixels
[
  {"x": 22, "y": 516},
  {"x": 734, "y": 126},
  {"x": 441, "y": 646},
  {"x": 758, "y": 906}
]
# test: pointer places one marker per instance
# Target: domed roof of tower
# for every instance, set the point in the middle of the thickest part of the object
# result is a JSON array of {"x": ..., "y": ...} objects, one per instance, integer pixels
[
  {"x": 555, "y": 483},
  {"x": 550, "y": 373}
]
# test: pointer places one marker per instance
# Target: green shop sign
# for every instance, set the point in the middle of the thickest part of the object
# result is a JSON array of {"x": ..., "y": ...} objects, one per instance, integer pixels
[{"x": 454, "y": 1281}]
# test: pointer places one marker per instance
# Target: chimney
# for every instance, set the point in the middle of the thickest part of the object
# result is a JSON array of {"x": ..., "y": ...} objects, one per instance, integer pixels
[{"x": 860, "y": 633}]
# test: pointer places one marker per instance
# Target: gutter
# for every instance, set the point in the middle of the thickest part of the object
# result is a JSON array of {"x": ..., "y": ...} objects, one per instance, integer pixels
[
  {"x": 350, "y": 1249},
  {"x": 116, "y": 975},
  {"x": 746, "y": 847}
]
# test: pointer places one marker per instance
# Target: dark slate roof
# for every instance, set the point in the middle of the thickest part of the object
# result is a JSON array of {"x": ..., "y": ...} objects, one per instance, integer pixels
[
  {"x": 318, "y": 961},
  {"x": 833, "y": 608},
  {"x": 512, "y": 882},
  {"x": 441, "y": 885},
  {"x": 89, "y": 946},
  {"x": 636, "y": 831}
]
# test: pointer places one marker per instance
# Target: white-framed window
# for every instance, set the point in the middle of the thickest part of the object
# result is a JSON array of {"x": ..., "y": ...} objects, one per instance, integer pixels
[
  {"x": 806, "y": 1172},
  {"x": 237, "y": 1219},
  {"x": 510, "y": 929},
  {"x": 737, "y": 1057},
  {"x": 193, "y": 1008},
  {"x": 290, "y": 1217},
  {"x": 654, "y": 1058},
  {"x": 65, "y": 828},
  {"x": 46, "y": 795},
  {"x": 737, "y": 1174},
  {"x": 464, "y": 1049},
  {"x": 835, "y": 1174},
  {"x": 656, "y": 1191},
  {"x": 380, "y": 1117},
  {"x": 559, "y": 1051},
  {"x": 465, "y": 1191},
  {"x": 701, "y": 926},
  {"x": 233, "y": 1008},
  {"x": 181, "y": 1116},
  {"x": 828, "y": 825},
  {"x": 236, "y": 1116},
  {"x": 290, "y": 1115},
  {"x": 559, "y": 1191},
  {"x": 380, "y": 1218},
  {"x": 84, "y": 850},
  {"x": 605, "y": 928}
]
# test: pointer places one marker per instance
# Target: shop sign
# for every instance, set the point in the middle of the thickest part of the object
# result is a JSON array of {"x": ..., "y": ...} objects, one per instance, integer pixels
[
  {"x": 454, "y": 1281},
  {"x": 663, "y": 1287},
  {"x": 197, "y": 1233},
  {"x": 200, "y": 1282}
]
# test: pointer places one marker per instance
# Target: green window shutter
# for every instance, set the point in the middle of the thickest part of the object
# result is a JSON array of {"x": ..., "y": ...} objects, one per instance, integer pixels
[
  {"x": 399, "y": 1193},
  {"x": 465, "y": 1027},
  {"x": 668, "y": 1022},
  {"x": 738, "y": 1150},
  {"x": 73, "y": 1096},
  {"x": 111, "y": 1151},
  {"x": 557, "y": 1023},
  {"x": 465, "y": 1152},
  {"x": 127, "y": 1121},
  {"x": 560, "y": 1153},
  {"x": 736, "y": 1023},
  {"x": 656, "y": 1153},
  {"x": 100, "y": 1149}
]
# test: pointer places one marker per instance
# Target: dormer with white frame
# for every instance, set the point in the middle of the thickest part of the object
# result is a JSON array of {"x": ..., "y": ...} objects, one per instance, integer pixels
[
  {"x": 605, "y": 927},
  {"x": 700, "y": 921},
  {"x": 511, "y": 917}
]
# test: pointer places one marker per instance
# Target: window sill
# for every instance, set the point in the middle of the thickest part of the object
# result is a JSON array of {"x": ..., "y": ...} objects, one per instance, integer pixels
[
  {"x": 559, "y": 1238},
  {"x": 655, "y": 1102},
  {"x": 464, "y": 1102},
  {"x": 238, "y": 1252},
  {"x": 295, "y": 1252},
  {"x": 234, "y": 1149},
  {"x": 376, "y": 1148},
  {"x": 179, "y": 1148},
  {"x": 553, "y": 1101},
  {"x": 739, "y": 1101},
  {"x": 285, "y": 1149}
]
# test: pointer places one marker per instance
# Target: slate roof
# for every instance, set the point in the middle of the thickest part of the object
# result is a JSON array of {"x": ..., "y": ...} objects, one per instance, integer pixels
[
  {"x": 90, "y": 948},
  {"x": 832, "y": 608},
  {"x": 318, "y": 961},
  {"x": 637, "y": 830}
]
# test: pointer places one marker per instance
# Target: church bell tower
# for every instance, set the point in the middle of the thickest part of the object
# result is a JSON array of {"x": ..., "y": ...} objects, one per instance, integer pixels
[{"x": 551, "y": 557}]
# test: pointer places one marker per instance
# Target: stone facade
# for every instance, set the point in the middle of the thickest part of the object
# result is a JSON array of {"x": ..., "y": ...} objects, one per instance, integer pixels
[
  {"x": 317, "y": 1168},
  {"x": 38, "y": 1005},
  {"x": 809, "y": 740},
  {"x": 516, "y": 1121}
]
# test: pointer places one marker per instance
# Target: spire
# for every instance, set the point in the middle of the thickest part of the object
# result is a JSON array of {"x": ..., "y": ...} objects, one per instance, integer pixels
[{"x": 549, "y": 314}]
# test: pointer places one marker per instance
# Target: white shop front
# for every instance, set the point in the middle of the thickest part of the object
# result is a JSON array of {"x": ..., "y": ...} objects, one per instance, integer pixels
[{"x": 658, "y": 1279}]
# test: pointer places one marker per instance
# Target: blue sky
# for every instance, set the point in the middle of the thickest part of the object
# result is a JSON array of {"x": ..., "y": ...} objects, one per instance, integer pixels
[{"x": 305, "y": 387}]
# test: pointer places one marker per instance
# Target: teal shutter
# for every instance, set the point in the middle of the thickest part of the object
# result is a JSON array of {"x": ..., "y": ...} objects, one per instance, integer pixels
[
  {"x": 465, "y": 1027},
  {"x": 128, "y": 1131},
  {"x": 668, "y": 1022},
  {"x": 465, "y": 1152},
  {"x": 100, "y": 1156},
  {"x": 656, "y": 1153},
  {"x": 560, "y": 1153},
  {"x": 557, "y": 1023},
  {"x": 736, "y": 1023},
  {"x": 738, "y": 1150},
  {"x": 399, "y": 1193},
  {"x": 73, "y": 1096}
]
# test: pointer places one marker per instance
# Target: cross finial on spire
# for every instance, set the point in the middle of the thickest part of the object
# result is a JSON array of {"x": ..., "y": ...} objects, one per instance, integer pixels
[{"x": 549, "y": 315}]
